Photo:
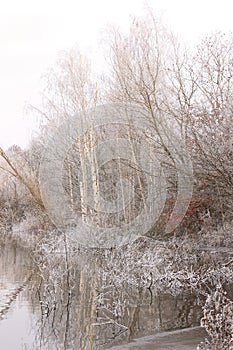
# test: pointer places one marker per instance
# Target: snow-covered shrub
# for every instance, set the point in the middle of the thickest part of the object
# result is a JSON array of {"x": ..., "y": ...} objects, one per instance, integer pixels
[{"x": 218, "y": 322}]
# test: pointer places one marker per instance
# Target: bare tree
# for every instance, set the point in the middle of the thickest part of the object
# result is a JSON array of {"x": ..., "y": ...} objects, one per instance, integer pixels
[
  {"x": 204, "y": 85},
  {"x": 70, "y": 87},
  {"x": 192, "y": 88},
  {"x": 142, "y": 69},
  {"x": 22, "y": 173}
]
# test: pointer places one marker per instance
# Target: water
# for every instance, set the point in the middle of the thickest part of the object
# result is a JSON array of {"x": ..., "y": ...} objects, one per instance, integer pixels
[
  {"x": 43, "y": 308},
  {"x": 18, "y": 312}
]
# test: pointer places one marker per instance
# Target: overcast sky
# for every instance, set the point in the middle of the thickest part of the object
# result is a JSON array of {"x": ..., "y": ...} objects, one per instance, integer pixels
[{"x": 33, "y": 32}]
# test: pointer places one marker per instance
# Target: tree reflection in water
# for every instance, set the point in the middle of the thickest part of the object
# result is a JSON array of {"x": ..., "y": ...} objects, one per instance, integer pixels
[{"x": 92, "y": 299}]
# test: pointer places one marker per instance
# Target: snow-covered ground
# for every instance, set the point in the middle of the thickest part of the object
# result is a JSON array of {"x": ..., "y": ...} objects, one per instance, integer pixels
[{"x": 185, "y": 339}]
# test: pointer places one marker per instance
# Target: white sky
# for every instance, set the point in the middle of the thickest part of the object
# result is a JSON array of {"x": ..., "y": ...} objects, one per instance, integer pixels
[{"x": 33, "y": 32}]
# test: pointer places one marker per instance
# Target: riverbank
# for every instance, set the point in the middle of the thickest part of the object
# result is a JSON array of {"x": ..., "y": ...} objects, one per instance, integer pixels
[{"x": 181, "y": 339}]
